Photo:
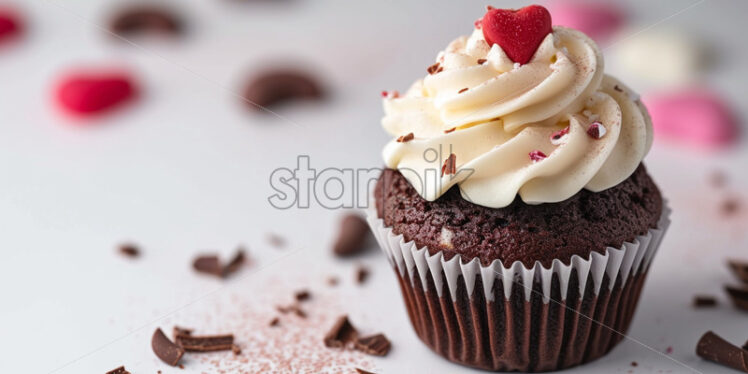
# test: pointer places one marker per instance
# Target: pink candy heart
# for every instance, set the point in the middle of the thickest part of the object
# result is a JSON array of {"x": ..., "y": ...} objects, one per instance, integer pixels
[
  {"x": 695, "y": 117},
  {"x": 599, "y": 20},
  {"x": 89, "y": 93}
]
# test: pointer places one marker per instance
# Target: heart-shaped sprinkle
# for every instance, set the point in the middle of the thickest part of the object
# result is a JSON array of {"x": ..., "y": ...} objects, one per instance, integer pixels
[
  {"x": 537, "y": 155},
  {"x": 92, "y": 93},
  {"x": 518, "y": 32}
]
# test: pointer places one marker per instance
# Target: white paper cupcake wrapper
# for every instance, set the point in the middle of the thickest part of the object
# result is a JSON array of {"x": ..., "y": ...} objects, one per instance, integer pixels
[{"x": 633, "y": 257}]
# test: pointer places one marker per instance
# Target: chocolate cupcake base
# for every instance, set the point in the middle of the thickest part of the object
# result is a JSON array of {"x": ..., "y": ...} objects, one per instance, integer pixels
[{"x": 517, "y": 319}]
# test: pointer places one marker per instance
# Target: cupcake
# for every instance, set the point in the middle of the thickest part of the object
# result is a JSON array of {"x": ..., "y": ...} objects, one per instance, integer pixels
[{"x": 515, "y": 209}]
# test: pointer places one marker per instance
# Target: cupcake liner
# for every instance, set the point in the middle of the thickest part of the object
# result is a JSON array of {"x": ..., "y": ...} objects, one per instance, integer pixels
[{"x": 542, "y": 319}]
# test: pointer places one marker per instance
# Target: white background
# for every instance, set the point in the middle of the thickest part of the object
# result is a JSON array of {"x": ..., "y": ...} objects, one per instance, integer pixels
[{"x": 186, "y": 170}]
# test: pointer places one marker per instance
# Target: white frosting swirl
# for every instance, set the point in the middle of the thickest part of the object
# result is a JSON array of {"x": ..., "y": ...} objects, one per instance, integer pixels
[{"x": 510, "y": 110}]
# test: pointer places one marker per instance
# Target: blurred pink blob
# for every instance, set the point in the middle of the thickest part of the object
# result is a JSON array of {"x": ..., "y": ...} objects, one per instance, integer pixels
[
  {"x": 94, "y": 92},
  {"x": 11, "y": 25},
  {"x": 695, "y": 117},
  {"x": 599, "y": 20}
]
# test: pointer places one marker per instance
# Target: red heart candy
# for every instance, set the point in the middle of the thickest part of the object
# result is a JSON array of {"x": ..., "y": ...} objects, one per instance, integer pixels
[
  {"x": 518, "y": 32},
  {"x": 10, "y": 25},
  {"x": 91, "y": 93}
]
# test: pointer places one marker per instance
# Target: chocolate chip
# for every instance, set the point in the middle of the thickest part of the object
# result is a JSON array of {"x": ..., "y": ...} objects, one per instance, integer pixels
[
  {"x": 165, "y": 349},
  {"x": 341, "y": 334},
  {"x": 362, "y": 371},
  {"x": 406, "y": 138},
  {"x": 739, "y": 269},
  {"x": 192, "y": 343},
  {"x": 739, "y": 297},
  {"x": 302, "y": 295},
  {"x": 713, "y": 348},
  {"x": 376, "y": 345},
  {"x": 701, "y": 301},
  {"x": 352, "y": 236},
  {"x": 450, "y": 165},
  {"x": 119, "y": 370},
  {"x": 145, "y": 20},
  {"x": 129, "y": 250},
  {"x": 362, "y": 273},
  {"x": 274, "y": 87},
  {"x": 211, "y": 264}
]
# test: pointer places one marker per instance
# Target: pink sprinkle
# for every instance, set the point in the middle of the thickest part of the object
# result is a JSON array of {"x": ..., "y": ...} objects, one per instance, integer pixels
[
  {"x": 596, "y": 130},
  {"x": 478, "y": 22},
  {"x": 385, "y": 93},
  {"x": 556, "y": 136},
  {"x": 390, "y": 95},
  {"x": 537, "y": 155}
]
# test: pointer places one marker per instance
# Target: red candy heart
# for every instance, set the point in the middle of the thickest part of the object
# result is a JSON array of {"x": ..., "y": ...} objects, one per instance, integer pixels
[
  {"x": 518, "y": 32},
  {"x": 91, "y": 93},
  {"x": 10, "y": 25}
]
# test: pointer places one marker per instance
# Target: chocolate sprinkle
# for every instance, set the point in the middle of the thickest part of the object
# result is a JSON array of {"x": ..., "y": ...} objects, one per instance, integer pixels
[
  {"x": 129, "y": 250},
  {"x": 481, "y": 61},
  {"x": 713, "y": 348},
  {"x": 293, "y": 308},
  {"x": 146, "y": 19},
  {"x": 617, "y": 88},
  {"x": 302, "y": 295},
  {"x": 462, "y": 90},
  {"x": 165, "y": 349},
  {"x": 193, "y": 343},
  {"x": 352, "y": 236},
  {"x": 119, "y": 370},
  {"x": 274, "y": 87},
  {"x": 701, "y": 301},
  {"x": 362, "y": 273},
  {"x": 739, "y": 297},
  {"x": 376, "y": 345},
  {"x": 405, "y": 138},
  {"x": 341, "y": 333},
  {"x": 450, "y": 165},
  {"x": 739, "y": 269},
  {"x": 433, "y": 69},
  {"x": 450, "y": 130}
]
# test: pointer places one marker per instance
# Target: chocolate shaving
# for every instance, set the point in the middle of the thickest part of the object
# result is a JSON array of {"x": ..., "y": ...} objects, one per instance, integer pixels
[
  {"x": 450, "y": 165},
  {"x": 352, "y": 236},
  {"x": 376, "y": 345},
  {"x": 129, "y": 250},
  {"x": 362, "y": 274},
  {"x": 177, "y": 331},
  {"x": 481, "y": 61},
  {"x": 293, "y": 308},
  {"x": 713, "y": 348},
  {"x": 739, "y": 297},
  {"x": 450, "y": 130},
  {"x": 210, "y": 264},
  {"x": 433, "y": 69},
  {"x": 192, "y": 343},
  {"x": 462, "y": 90},
  {"x": 406, "y": 138},
  {"x": 362, "y": 371},
  {"x": 701, "y": 301},
  {"x": 274, "y": 87},
  {"x": 341, "y": 334},
  {"x": 165, "y": 349},
  {"x": 739, "y": 269},
  {"x": 441, "y": 69},
  {"x": 119, "y": 370},
  {"x": 275, "y": 322},
  {"x": 236, "y": 349},
  {"x": 146, "y": 19},
  {"x": 302, "y": 295},
  {"x": 617, "y": 88}
]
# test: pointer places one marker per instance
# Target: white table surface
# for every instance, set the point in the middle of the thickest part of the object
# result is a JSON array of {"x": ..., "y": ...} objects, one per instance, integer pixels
[{"x": 186, "y": 170}]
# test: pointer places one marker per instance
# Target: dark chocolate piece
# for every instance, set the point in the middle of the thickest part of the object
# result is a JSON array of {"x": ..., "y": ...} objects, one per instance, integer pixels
[
  {"x": 739, "y": 269},
  {"x": 237, "y": 350},
  {"x": 341, "y": 334},
  {"x": 234, "y": 264},
  {"x": 713, "y": 348},
  {"x": 701, "y": 301},
  {"x": 209, "y": 264},
  {"x": 362, "y": 273},
  {"x": 274, "y": 87},
  {"x": 293, "y": 308},
  {"x": 177, "y": 331},
  {"x": 192, "y": 343},
  {"x": 302, "y": 295},
  {"x": 144, "y": 20},
  {"x": 362, "y": 371},
  {"x": 352, "y": 235},
  {"x": 376, "y": 345},
  {"x": 739, "y": 297},
  {"x": 165, "y": 349},
  {"x": 129, "y": 250},
  {"x": 275, "y": 322},
  {"x": 119, "y": 370}
]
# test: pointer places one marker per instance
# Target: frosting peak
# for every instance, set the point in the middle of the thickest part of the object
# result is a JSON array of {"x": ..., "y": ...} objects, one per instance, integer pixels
[{"x": 502, "y": 112}]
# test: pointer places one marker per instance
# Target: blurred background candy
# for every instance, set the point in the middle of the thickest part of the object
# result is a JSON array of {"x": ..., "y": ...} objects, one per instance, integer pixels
[
  {"x": 11, "y": 25},
  {"x": 95, "y": 91},
  {"x": 599, "y": 20}
]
